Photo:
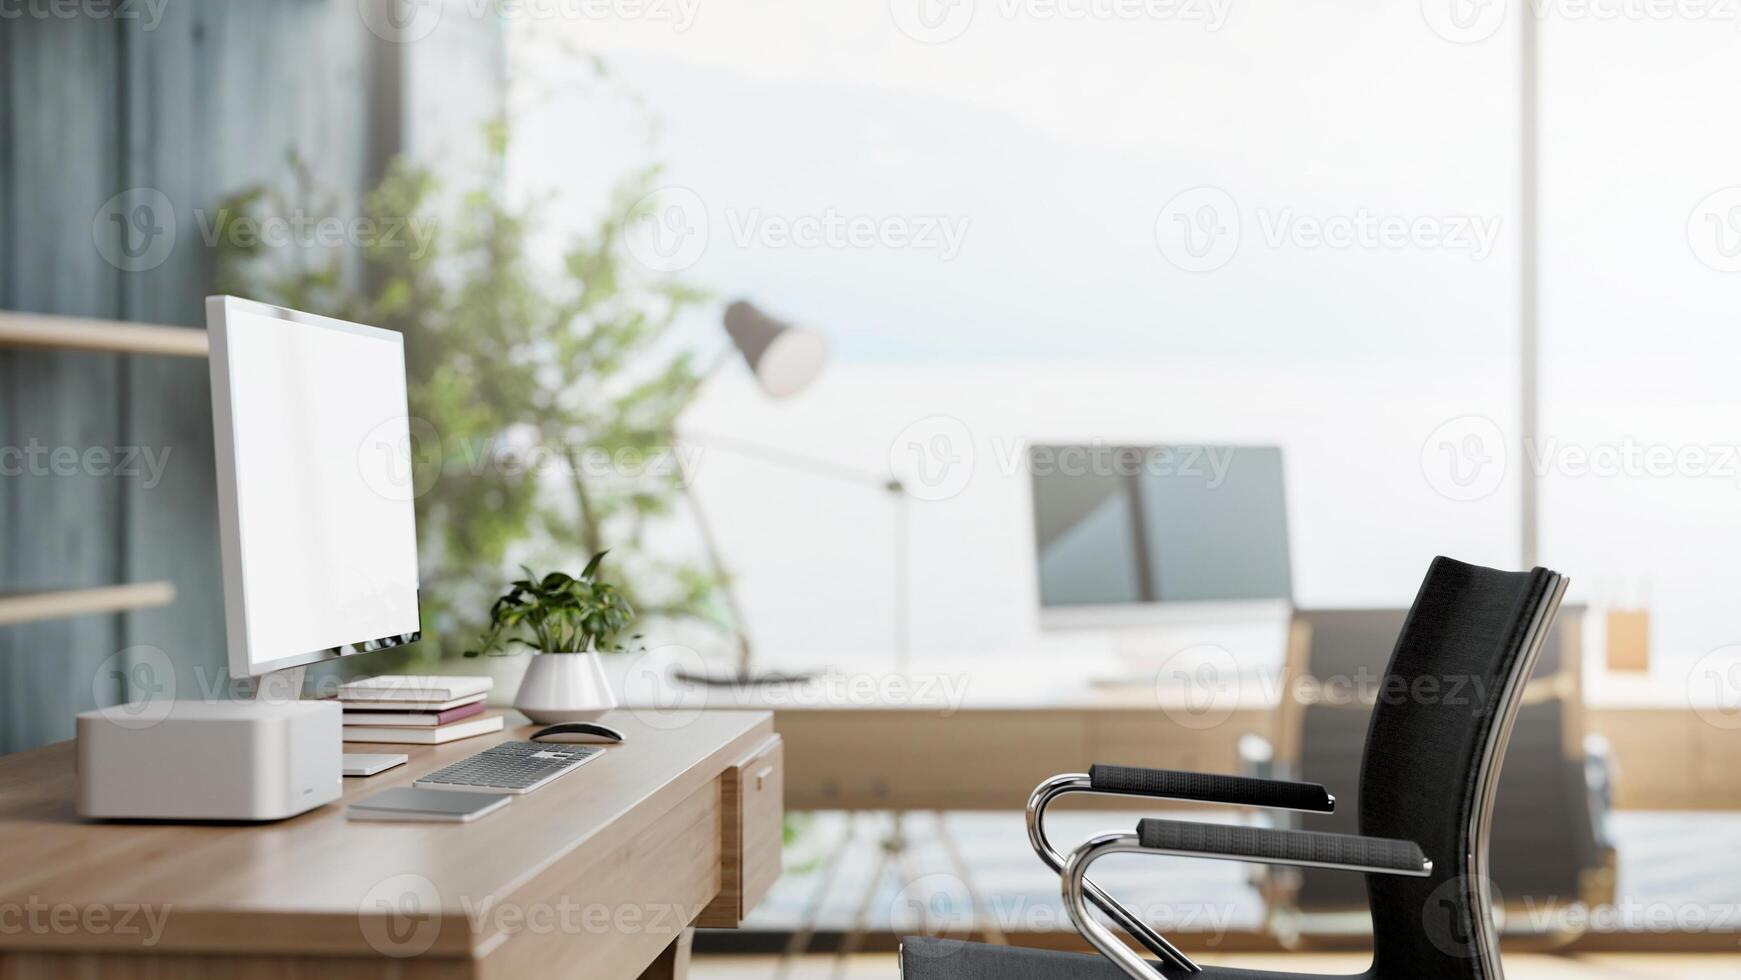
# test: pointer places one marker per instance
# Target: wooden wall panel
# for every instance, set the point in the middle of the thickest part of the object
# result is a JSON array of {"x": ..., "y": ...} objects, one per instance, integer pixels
[
  {"x": 209, "y": 100},
  {"x": 60, "y": 166}
]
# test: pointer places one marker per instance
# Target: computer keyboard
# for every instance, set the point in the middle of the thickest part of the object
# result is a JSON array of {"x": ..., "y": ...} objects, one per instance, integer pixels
[{"x": 510, "y": 767}]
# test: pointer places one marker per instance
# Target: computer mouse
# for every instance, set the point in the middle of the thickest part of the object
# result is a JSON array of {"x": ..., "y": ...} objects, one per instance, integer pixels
[{"x": 578, "y": 731}]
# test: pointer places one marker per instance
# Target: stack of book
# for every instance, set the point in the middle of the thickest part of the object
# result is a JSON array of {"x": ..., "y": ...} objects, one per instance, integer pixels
[{"x": 418, "y": 710}]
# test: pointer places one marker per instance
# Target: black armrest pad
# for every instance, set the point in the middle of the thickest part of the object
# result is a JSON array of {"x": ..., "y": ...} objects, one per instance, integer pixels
[
  {"x": 1261, "y": 843},
  {"x": 1210, "y": 788}
]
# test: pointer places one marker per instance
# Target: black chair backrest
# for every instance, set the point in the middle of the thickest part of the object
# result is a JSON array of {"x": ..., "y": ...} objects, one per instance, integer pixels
[
  {"x": 1432, "y": 759},
  {"x": 1543, "y": 836}
]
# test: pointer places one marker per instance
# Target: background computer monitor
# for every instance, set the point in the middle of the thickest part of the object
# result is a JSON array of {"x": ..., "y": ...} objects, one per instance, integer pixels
[
  {"x": 313, "y": 454},
  {"x": 1121, "y": 531}
]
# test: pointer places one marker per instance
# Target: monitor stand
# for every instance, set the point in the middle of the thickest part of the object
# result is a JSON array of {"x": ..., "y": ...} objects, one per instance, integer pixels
[{"x": 286, "y": 685}]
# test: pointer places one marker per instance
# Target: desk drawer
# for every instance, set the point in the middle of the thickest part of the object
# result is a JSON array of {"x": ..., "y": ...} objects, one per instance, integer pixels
[{"x": 752, "y": 825}]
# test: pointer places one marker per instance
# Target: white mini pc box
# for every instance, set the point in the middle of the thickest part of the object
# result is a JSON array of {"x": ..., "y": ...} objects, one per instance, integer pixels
[{"x": 209, "y": 760}]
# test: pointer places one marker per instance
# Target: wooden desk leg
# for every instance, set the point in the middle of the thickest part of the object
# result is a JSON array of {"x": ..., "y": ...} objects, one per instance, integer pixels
[{"x": 673, "y": 963}]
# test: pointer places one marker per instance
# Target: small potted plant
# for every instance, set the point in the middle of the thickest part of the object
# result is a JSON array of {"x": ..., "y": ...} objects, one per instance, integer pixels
[{"x": 567, "y": 621}]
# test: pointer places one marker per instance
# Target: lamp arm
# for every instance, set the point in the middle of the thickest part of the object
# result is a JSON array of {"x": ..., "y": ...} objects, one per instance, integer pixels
[{"x": 711, "y": 546}]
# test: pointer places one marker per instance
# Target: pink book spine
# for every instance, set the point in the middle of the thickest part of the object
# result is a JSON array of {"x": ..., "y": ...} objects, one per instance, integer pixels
[{"x": 463, "y": 711}]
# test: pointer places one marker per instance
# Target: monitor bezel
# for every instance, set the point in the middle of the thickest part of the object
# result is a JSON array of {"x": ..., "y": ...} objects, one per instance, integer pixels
[
  {"x": 1159, "y": 611},
  {"x": 218, "y": 310}
]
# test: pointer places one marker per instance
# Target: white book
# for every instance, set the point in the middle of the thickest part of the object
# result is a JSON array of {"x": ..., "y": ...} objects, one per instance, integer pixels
[
  {"x": 425, "y": 736},
  {"x": 407, "y": 687},
  {"x": 397, "y": 717},
  {"x": 355, "y": 704}
]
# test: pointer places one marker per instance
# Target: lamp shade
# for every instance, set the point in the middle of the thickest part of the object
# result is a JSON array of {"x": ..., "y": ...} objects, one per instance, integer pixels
[{"x": 784, "y": 358}]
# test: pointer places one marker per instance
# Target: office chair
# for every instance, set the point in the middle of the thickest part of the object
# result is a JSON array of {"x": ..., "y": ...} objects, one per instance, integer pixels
[
  {"x": 1433, "y": 753},
  {"x": 1550, "y": 844}
]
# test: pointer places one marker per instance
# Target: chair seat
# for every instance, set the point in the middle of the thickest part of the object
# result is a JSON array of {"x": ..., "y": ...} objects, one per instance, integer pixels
[{"x": 952, "y": 959}]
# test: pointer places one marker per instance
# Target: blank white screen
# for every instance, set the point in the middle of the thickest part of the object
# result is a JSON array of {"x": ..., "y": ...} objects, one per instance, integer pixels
[{"x": 328, "y": 540}]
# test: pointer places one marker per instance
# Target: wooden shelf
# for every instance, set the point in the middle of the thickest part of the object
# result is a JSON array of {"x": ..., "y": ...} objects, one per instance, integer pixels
[
  {"x": 111, "y": 336},
  {"x": 25, "y": 607}
]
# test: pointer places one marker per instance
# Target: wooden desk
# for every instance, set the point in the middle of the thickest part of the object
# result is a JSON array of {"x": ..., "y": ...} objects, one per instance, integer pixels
[
  {"x": 600, "y": 874},
  {"x": 981, "y": 733}
]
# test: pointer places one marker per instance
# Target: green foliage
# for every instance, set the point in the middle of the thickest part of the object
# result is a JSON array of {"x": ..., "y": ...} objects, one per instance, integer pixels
[
  {"x": 558, "y": 613},
  {"x": 504, "y": 355}
]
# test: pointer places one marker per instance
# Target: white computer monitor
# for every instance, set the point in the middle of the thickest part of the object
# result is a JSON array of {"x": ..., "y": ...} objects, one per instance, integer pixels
[
  {"x": 315, "y": 502},
  {"x": 1128, "y": 536}
]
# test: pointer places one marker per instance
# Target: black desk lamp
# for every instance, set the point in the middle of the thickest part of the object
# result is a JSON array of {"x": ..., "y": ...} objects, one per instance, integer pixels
[{"x": 785, "y": 359}]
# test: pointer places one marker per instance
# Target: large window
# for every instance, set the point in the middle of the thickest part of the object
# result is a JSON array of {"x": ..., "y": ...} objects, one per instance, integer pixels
[{"x": 1283, "y": 224}]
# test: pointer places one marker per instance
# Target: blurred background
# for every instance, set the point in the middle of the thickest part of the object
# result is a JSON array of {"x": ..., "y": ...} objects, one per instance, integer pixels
[{"x": 1416, "y": 279}]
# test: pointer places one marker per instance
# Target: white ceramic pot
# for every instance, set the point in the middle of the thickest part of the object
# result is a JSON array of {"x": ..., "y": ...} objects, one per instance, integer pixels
[{"x": 564, "y": 687}]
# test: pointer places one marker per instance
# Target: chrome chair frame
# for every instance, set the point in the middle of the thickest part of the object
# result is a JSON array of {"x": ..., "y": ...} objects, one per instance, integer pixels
[
  {"x": 1079, "y": 892},
  {"x": 1080, "y": 783}
]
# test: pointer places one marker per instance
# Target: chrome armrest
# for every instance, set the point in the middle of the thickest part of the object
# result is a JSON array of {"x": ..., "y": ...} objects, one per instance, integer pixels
[
  {"x": 1159, "y": 784},
  {"x": 1185, "y": 839}
]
